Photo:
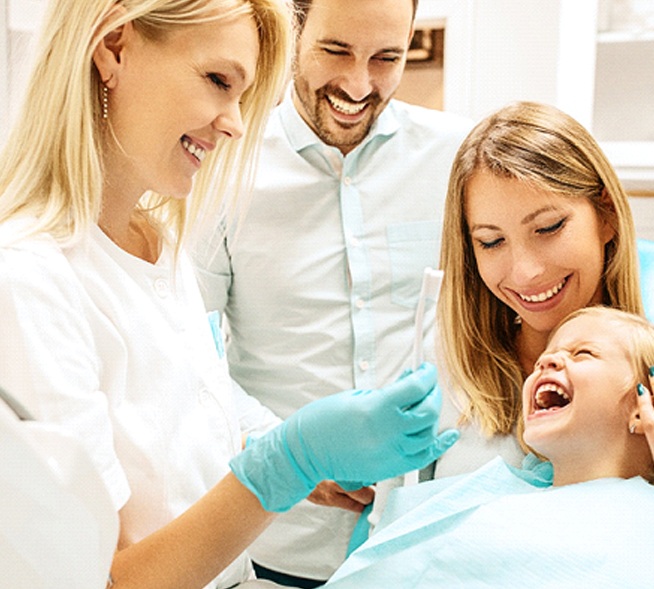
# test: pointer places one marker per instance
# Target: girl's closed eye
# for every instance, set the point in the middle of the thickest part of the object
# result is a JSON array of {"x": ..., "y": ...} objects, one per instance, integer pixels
[{"x": 584, "y": 352}]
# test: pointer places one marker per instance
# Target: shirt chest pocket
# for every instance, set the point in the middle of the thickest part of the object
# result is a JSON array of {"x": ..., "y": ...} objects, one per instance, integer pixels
[{"x": 411, "y": 247}]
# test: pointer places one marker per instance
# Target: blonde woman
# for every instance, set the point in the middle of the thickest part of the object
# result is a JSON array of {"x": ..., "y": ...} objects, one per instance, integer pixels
[
  {"x": 537, "y": 225},
  {"x": 132, "y": 108}
]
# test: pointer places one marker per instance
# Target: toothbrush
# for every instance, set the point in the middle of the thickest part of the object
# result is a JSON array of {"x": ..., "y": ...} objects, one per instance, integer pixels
[{"x": 430, "y": 289}]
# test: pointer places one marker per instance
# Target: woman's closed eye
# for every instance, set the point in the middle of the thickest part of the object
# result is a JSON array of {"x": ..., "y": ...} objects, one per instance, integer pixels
[
  {"x": 219, "y": 81},
  {"x": 550, "y": 229},
  {"x": 490, "y": 244}
]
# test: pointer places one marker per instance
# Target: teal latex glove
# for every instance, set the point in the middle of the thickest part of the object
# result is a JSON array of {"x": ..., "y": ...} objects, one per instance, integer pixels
[{"x": 362, "y": 435}]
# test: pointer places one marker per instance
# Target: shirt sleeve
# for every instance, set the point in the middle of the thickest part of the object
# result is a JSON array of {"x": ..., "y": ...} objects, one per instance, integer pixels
[
  {"x": 254, "y": 418},
  {"x": 48, "y": 357}
]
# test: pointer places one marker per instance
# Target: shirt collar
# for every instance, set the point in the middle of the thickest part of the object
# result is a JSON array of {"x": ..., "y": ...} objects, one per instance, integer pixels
[{"x": 301, "y": 136}]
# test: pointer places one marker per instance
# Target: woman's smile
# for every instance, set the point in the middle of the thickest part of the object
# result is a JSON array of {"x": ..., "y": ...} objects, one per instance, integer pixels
[{"x": 544, "y": 295}]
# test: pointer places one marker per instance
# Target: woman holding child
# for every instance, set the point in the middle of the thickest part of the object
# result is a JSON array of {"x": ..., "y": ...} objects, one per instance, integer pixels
[{"x": 537, "y": 225}]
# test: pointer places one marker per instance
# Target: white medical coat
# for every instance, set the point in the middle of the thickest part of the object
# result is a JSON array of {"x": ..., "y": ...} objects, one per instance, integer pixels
[{"x": 119, "y": 351}]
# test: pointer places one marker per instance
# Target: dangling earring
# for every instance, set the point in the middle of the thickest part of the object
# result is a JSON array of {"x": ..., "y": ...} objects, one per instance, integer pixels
[
  {"x": 632, "y": 428},
  {"x": 105, "y": 102}
]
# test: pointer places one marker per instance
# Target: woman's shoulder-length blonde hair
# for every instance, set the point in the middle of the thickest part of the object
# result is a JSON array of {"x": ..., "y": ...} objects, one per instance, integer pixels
[
  {"x": 540, "y": 145},
  {"x": 51, "y": 167}
]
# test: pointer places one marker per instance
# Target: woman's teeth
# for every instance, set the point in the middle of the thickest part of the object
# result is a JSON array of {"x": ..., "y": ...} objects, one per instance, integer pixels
[
  {"x": 347, "y": 108},
  {"x": 193, "y": 149},
  {"x": 543, "y": 296}
]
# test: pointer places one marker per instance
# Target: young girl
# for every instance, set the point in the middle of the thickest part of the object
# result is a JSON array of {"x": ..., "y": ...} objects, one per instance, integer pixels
[{"x": 587, "y": 409}]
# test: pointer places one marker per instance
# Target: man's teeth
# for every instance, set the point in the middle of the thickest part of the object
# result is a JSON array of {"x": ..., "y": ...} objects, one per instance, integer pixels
[
  {"x": 347, "y": 108},
  {"x": 193, "y": 149},
  {"x": 550, "y": 395},
  {"x": 543, "y": 296}
]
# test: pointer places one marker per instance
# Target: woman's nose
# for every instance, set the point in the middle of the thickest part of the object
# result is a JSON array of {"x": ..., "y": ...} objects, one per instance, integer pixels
[
  {"x": 230, "y": 122},
  {"x": 526, "y": 265}
]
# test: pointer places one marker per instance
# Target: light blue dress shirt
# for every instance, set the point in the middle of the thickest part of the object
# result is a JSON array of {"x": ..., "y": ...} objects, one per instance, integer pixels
[{"x": 321, "y": 280}]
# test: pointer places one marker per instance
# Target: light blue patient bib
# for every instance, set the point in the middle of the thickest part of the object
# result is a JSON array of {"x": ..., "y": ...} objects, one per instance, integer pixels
[{"x": 499, "y": 527}]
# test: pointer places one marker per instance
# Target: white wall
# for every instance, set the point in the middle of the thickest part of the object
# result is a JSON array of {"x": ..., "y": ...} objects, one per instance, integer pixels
[
  {"x": 4, "y": 71},
  {"x": 495, "y": 51},
  {"x": 19, "y": 20}
]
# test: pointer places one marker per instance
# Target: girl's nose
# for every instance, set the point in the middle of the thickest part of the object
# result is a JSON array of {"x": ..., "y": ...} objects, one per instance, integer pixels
[{"x": 551, "y": 360}]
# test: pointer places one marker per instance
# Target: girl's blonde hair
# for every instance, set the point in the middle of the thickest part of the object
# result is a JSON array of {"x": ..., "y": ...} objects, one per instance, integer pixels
[
  {"x": 636, "y": 330},
  {"x": 543, "y": 147},
  {"x": 51, "y": 167}
]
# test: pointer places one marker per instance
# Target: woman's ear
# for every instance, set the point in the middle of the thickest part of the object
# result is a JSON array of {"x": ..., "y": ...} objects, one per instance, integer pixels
[{"x": 108, "y": 54}]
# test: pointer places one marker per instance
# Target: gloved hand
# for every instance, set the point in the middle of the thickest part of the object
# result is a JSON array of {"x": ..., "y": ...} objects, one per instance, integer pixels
[{"x": 362, "y": 435}]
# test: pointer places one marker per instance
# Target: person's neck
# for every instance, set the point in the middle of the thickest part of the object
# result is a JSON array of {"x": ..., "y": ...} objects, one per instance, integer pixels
[
  {"x": 571, "y": 473},
  {"x": 530, "y": 344},
  {"x": 623, "y": 459},
  {"x": 131, "y": 231}
]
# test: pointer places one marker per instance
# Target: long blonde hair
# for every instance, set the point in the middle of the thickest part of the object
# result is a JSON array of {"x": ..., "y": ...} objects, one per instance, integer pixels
[
  {"x": 542, "y": 146},
  {"x": 51, "y": 167}
]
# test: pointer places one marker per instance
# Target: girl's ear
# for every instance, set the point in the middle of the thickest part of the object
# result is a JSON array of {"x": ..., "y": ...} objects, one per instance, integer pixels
[
  {"x": 108, "y": 55},
  {"x": 635, "y": 424}
]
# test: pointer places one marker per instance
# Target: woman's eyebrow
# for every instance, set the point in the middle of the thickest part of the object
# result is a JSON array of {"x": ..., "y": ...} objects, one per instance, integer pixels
[
  {"x": 527, "y": 219},
  {"x": 531, "y": 216}
]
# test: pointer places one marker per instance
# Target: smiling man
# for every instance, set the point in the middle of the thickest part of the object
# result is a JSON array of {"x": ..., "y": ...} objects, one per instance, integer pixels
[
  {"x": 348, "y": 65},
  {"x": 321, "y": 280}
]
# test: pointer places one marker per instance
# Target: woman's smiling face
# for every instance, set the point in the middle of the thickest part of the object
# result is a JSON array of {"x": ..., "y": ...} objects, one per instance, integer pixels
[
  {"x": 172, "y": 100},
  {"x": 540, "y": 253}
]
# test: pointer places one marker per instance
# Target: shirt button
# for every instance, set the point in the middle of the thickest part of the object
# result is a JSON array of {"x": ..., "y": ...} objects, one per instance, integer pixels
[
  {"x": 364, "y": 365},
  {"x": 347, "y": 180},
  {"x": 354, "y": 242},
  {"x": 360, "y": 303},
  {"x": 161, "y": 287},
  {"x": 204, "y": 396}
]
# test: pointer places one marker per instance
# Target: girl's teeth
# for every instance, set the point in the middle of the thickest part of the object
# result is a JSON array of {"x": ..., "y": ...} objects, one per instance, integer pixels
[
  {"x": 193, "y": 149},
  {"x": 543, "y": 296}
]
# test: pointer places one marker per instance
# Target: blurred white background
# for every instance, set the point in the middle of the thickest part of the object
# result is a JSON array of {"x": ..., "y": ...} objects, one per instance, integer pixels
[{"x": 592, "y": 58}]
